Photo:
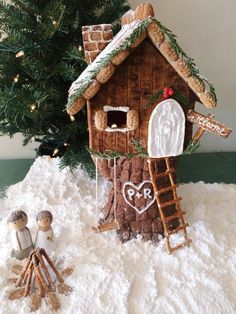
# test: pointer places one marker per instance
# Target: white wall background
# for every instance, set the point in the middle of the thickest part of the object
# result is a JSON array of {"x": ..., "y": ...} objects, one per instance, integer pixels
[
  {"x": 206, "y": 30},
  {"x": 13, "y": 149}
]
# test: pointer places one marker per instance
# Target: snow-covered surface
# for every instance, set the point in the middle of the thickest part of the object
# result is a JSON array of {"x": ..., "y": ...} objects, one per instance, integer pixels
[{"x": 136, "y": 277}]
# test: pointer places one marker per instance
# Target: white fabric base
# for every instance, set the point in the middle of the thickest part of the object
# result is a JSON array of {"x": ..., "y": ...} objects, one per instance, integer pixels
[{"x": 136, "y": 277}]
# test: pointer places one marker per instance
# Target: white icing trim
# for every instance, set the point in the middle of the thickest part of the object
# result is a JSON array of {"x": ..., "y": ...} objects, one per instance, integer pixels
[
  {"x": 137, "y": 187},
  {"x": 123, "y": 130},
  {"x": 120, "y": 108},
  {"x": 91, "y": 27}
]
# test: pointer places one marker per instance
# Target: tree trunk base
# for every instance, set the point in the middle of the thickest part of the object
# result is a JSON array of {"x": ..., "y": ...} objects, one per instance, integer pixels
[{"x": 136, "y": 214}]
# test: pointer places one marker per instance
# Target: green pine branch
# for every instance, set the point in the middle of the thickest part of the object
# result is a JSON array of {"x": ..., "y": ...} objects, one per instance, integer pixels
[
  {"x": 141, "y": 27},
  {"x": 191, "y": 148},
  {"x": 49, "y": 34},
  {"x": 192, "y": 65}
]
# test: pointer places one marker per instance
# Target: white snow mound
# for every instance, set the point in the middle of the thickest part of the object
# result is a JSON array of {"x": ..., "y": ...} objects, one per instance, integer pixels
[{"x": 136, "y": 277}]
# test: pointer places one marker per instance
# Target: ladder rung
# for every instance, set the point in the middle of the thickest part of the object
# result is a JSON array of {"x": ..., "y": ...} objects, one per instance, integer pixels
[
  {"x": 172, "y": 187},
  {"x": 178, "y": 229},
  {"x": 176, "y": 200},
  {"x": 163, "y": 174},
  {"x": 169, "y": 188},
  {"x": 172, "y": 249},
  {"x": 176, "y": 215}
]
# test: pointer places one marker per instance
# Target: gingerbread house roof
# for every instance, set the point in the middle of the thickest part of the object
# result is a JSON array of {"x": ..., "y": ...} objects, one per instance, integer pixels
[{"x": 137, "y": 25}]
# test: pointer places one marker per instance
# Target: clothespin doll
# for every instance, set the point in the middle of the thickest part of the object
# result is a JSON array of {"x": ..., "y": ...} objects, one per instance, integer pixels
[
  {"x": 44, "y": 236},
  {"x": 20, "y": 235}
]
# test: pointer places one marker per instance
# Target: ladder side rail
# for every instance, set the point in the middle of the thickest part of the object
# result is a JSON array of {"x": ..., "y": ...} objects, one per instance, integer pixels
[
  {"x": 175, "y": 196},
  {"x": 166, "y": 231}
]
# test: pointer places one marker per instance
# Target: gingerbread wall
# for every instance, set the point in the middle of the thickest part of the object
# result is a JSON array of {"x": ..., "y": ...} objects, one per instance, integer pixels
[{"x": 143, "y": 73}]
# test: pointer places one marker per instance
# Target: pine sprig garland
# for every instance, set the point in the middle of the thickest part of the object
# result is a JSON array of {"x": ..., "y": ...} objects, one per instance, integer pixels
[
  {"x": 103, "y": 62},
  {"x": 154, "y": 97},
  {"x": 181, "y": 99},
  {"x": 110, "y": 154},
  {"x": 141, "y": 151},
  {"x": 178, "y": 96},
  {"x": 191, "y": 148},
  {"x": 172, "y": 38},
  {"x": 192, "y": 65}
]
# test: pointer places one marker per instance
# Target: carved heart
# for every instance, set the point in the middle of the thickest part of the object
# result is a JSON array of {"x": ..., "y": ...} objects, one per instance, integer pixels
[{"x": 138, "y": 190}]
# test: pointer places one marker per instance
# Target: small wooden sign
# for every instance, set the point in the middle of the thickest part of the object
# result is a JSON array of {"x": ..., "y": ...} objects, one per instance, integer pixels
[{"x": 208, "y": 123}]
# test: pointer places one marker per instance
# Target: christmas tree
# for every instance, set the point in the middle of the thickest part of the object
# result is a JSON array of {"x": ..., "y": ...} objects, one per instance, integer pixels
[{"x": 41, "y": 54}]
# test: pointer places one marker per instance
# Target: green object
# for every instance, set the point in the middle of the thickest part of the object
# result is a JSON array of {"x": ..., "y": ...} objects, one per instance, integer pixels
[
  {"x": 39, "y": 60},
  {"x": 126, "y": 40},
  {"x": 13, "y": 171},
  {"x": 191, "y": 148},
  {"x": 141, "y": 152},
  {"x": 192, "y": 66},
  {"x": 207, "y": 167}
]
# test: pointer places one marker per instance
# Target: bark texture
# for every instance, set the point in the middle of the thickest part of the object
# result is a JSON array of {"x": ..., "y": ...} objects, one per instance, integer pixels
[{"x": 132, "y": 223}]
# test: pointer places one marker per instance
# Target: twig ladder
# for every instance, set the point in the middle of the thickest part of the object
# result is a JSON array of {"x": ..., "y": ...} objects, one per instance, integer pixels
[{"x": 161, "y": 206}]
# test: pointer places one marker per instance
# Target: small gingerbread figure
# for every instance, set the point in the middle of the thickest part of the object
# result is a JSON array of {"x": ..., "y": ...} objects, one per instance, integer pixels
[
  {"x": 20, "y": 235},
  {"x": 44, "y": 236}
]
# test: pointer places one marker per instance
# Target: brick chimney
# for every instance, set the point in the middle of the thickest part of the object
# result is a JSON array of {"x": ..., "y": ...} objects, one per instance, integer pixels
[{"x": 95, "y": 39}]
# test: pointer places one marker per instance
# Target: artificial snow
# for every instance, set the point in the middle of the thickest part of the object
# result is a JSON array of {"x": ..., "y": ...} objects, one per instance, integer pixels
[{"x": 135, "y": 277}]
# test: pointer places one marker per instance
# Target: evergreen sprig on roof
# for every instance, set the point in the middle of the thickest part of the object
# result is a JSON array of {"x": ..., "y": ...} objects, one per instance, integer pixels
[{"x": 128, "y": 34}]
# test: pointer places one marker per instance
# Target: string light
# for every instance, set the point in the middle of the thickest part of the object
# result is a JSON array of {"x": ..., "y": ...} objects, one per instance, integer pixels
[
  {"x": 33, "y": 107},
  {"x": 72, "y": 118},
  {"x": 80, "y": 48},
  {"x": 65, "y": 144},
  {"x": 56, "y": 150},
  {"x": 54, "y": 23},
  {"x": 16, "y": 78},
  {"x": 20, "y": 53}
]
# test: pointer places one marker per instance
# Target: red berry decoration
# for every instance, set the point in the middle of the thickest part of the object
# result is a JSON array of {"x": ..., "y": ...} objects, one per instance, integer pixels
[{"x": 166, "y": 90}]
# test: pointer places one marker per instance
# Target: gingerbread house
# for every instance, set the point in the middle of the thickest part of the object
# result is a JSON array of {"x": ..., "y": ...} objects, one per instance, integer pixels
[{"x": 140, "y": 89}]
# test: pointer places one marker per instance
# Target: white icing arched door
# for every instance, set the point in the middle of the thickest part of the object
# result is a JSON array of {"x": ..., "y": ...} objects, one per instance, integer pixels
[{"x": 166, "y": 130}]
